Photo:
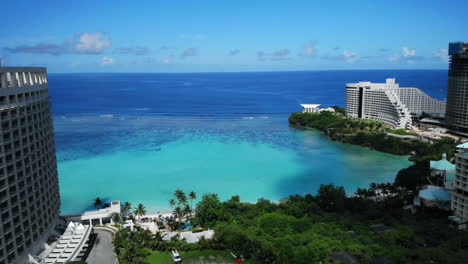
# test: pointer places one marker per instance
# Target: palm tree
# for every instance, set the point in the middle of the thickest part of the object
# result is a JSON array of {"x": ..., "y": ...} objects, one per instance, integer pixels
[
  {"x": 140, "y": 210},
  {"x": 186, "y": 212},
  {"x": 127, "y": 206},
  {"x": 362, "y": 192},
  {"x": 373, "y": 188},
  {"x": 178, "y": 213},
  {"x": 116, "y": 218},
  {"x": 192, "y": 196},
  {"x": 132, "y": 253},
  {"x": 97, "y": 202},
  {"x": 172, "y": 203},
  {"x": 181, "y": 197}
]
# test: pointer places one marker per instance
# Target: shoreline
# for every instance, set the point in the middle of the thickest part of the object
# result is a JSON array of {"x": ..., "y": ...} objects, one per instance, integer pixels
[{"x": 348, "y": 143}]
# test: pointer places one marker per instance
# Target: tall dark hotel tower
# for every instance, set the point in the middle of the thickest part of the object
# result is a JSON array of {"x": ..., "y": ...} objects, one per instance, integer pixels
[
  {"x": 29, "y": 190},
  {"x": 457, "y": 94}
]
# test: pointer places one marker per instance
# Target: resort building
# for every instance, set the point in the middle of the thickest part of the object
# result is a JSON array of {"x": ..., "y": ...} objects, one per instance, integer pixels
[
  {"x": 460, "y": 192},
  {"x": 29, "y": 190},
  {"x": 388, "y": 102},
  {"x": 440, "y": 194},
  {"x": 457, "y": 93},
  {"x": 444, "y": 172},
  {"x": 434, "y": 196},
  {"x": 310, "y": 108},
  {"x": 315, "y": 108},
  {"x": 71, "y": 245},
  {"x": 96, "y": 217}
]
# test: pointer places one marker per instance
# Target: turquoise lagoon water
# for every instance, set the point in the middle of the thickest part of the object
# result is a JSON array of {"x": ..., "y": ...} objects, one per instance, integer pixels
[
  {"x": 139, "y": 136},
  {"x": 143, "y": 160}
]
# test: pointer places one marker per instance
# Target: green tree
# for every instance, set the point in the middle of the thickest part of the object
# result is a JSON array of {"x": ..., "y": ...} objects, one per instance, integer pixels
[
  {"x": 209, "y": 210},
  {"x": 331, "y": 198},
  {"x": 97, "y": 202},
  {"x": 127, "y": 206},
  {"x": 181, "y": 197},
  {"x": 178, "y": 213},
  {"x": 116, "y": 218},
  {"x": 140, "y": 210},
  {"x": 132, "y": 253},
  {"x": 172, "y": 203},
  {"x": 192, "y": 197}
]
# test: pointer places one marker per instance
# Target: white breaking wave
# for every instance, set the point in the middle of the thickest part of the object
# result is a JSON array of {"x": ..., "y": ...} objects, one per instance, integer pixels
[{"x": 248, "y": 117}]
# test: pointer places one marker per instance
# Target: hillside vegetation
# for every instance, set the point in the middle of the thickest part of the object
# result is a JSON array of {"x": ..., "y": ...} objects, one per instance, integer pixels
[{"x": 372, "y": 134}]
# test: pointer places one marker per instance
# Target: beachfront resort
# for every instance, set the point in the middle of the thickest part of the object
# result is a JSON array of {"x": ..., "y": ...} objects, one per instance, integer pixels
[{"x": 31, "y": 230}]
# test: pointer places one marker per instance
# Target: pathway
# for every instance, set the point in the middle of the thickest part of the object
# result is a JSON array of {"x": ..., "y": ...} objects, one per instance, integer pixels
[{"x": 102, "y": 252}]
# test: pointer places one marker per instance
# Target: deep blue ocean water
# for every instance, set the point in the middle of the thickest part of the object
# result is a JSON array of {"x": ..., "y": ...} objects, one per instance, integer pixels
[{"x": 138, "y": 137}]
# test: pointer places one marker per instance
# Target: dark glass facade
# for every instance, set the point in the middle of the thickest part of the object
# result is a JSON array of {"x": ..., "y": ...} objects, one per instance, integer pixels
[{"x": 457, "y": 94}]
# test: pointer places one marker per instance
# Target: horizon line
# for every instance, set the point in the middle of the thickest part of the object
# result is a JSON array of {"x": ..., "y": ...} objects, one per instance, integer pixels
[{"x": 272, "y": 71}]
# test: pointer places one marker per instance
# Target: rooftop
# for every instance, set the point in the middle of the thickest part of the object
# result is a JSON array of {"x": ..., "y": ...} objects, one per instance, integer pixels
[
  {"x": 435, "y": 193},
  {"x": 69, "y": 244},
  {"x": 463, "y": 146},
  {"x": 22, "y": 69},
  {"x": 310, "y": 105},
  {"x": 443, "y": 165},
  {"x": 458, "y": 48}
]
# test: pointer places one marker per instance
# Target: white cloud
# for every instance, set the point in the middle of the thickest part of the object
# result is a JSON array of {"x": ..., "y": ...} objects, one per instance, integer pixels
[
  {"x": 350, "y": 56},
  {"x": 107, "y": 61},
  {"x": 406, "y": 55},
  {"x": 81, "y": 43},
  {"x": 407, "y": 52},
  {"x": 168, "y": 60},
  {"x": 442, "y": 54},
  {"x": 309, "y": 49},
  {"x": 89, "y": 43}
]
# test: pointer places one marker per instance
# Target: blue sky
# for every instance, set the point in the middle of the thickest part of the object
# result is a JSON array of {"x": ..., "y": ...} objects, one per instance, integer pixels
[{"x": 201, "y": 36}]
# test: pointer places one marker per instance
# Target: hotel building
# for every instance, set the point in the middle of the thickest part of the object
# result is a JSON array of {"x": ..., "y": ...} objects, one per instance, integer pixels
[
  {"x": 460, "y": 192},
  {"x": 457, "y": 93},
  {"x": 29, "y": 190},
  {"x": 388, "y": 102}
]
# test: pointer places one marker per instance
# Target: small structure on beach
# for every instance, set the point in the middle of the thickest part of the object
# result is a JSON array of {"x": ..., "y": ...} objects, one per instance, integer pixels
[
  {"x": 434, "y": 196},
  {"x": 444, "y": 171},
  {"x": 315, "y": 108},
  {"x": 129, "y": 225},
  {"x": 310, "y": 108}
]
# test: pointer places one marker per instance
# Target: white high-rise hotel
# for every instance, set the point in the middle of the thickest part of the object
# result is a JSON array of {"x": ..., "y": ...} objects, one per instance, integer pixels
[
  {"x": 390, "y": 103},
  {"x": 29, "y": 191}
]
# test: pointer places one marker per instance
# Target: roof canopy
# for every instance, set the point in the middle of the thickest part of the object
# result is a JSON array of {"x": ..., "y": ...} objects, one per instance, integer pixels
[
  {"x": 464, "y": 145},
  {"x": 435, "y": 193},
  {"x": 310, "y": 105},
  {"x": 442, "y": 165}
]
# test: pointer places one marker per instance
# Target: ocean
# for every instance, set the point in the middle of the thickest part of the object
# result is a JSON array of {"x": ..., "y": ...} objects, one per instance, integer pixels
[{"x": 140, "y": 136}]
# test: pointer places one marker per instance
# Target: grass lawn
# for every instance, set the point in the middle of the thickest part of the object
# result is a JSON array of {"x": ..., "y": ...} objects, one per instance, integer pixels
[{"x": 194, "y": 257}]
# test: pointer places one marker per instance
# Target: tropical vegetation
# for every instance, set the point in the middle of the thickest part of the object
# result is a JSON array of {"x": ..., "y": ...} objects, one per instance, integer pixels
[
  {"x": 140, "y": 210},
  {"x": 372, "y": 134},
  {"x": 369, "y": 227}
]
